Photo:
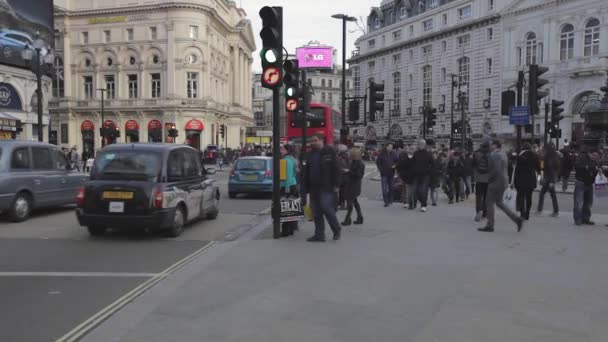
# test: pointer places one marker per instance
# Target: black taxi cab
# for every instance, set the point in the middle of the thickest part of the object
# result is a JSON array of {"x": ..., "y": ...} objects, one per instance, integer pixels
[{"x": 147, "y": 186}]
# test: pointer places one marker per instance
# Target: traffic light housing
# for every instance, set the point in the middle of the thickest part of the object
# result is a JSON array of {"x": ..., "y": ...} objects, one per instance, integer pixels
[
  {"x": 535, "y": 94},
  {"x": 507, "y": 100},
  {"x": 291, "y": 80},
  {"x": 556, "y": 111},
  {"x": 376, "y": 98},
  {"x": 431, "y": 117},
  {"x": 173, "y": 132},
  {"x": 222, "y": 130},
  {"x": 272, "y": 46}
]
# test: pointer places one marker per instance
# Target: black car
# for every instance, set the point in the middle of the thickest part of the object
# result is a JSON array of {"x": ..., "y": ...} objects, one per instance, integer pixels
[{"x": 151, "y": 186}]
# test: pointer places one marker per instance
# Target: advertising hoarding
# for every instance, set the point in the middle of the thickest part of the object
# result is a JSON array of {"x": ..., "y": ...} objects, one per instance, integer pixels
[
  {"x": 315, "y": 57},
  {"x": 21, "y": 21}
]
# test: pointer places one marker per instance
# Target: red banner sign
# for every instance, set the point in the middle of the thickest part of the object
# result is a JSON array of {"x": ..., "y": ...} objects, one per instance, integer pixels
[
  {"x": 131, "y": 125},
  {"x": 87, "y": 125},
  {"x": 109, "y": 123},
  {"x": 195, "y": 125},
  {"x": 154, "y": 124}
]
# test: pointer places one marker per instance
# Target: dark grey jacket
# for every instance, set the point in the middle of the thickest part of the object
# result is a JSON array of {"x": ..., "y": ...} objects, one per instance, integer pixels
[{"x": 498, "y": 170}]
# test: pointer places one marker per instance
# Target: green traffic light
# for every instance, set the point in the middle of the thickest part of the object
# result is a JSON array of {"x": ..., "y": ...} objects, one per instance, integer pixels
[
  {"x": 269, "y": 56},
  {"x": 291, "y": 91}
]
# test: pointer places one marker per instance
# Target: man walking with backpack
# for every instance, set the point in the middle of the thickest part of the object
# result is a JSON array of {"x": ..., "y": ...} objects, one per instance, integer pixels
[{"x": 481, "y": 168}]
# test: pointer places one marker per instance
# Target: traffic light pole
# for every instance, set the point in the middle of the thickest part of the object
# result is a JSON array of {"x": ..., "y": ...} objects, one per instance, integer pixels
[
  {"x": 520, "y": 97},
  {"x": 344, "y": 134},
  {"x": 303, "y": 117},
  {"x": 546, "y": 123},
  {"x": 452, "y": 114},
  {"x": 424, "y": 129},
  {"x": 276, "y": 161}
]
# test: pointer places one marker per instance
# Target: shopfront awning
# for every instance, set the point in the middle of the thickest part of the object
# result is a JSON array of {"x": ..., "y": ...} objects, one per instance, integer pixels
[{"x": 7, "y": 116}]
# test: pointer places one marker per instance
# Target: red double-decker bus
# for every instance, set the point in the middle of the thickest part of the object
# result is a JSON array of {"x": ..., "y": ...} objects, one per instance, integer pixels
[{"x": 320, "y": 119}]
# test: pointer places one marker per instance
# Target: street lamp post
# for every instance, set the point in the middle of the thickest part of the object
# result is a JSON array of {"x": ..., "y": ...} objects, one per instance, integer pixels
[
  {"x": 43, "y": 62},
  {"x": 461, "y": 97},
  {"x": 390, "y": 114},
  {"x": 344, "y": 19},
  {"x": 453, "y": 76},
  {"x": 103, "y": 119}
]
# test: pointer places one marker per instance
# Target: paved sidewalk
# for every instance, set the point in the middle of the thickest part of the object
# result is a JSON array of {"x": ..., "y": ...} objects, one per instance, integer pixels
[{"x": 403, "y": 276}]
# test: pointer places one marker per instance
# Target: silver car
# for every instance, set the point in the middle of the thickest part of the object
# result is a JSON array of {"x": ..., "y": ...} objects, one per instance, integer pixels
[{"x": 35, "y": 175}]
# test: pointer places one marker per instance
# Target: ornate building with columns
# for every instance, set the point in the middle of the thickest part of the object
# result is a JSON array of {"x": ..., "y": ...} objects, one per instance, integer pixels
[{"x": 157, "y": 64}]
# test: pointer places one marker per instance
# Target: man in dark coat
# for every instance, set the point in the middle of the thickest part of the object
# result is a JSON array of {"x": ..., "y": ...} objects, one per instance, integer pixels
[
  {"x": 586, "y": 168},
  {"x": 353, "y": 187},
  {"x": 421, "y": 170},
  {"x": 527, "y": 168},
  {"x": 386, "y": 163},
  {"x": 551, "y": 169},
  {"x": 321, "y": 178}
]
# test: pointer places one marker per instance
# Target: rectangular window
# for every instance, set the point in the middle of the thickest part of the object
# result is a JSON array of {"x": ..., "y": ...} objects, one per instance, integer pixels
[
  {"x": 132, "y": 86},
  {"x": 383, "y": 61},
  {"x": 433, "y": 3},
  {"x": 464, "y": 13},
  {"x": 372, "y": 67},
  {"x": 427, "y": 51},
  {"x": 403, "y": 11},
  {"x": 153, "y": 33},
  {"x": 444, "y": 46},
  {"x": 444, "y": 75},
  {"x": 331, "y": 97},
  {"x": 88, "y": 87},
  {"x": 20, "y": 159},
  {"x": 444, "y": 19},
  {"x": 155, "y": 86},
  {"x": 110, "y": 86},
  {"x": 193, "y": 32},
  {"x": 397, "y": 35},
  {"x": 489, "y": 65},
  {"x": 356, "y": 80},
  {"x": 443, "y": 99},
  {"x": 371, "y": 43},
  {"x": 397, "y": 92},
  {"x": 85, "y": 37},
  {"x": 490, "y": 5},
  {"x": 129, "y": 34},
  {"x": 427, "y": 86},
  {"x": 411, "y": 31},
  {"x": 64, "y": 133},
  {"x": 331, "y": 83},
  {"x": 464, "y": 41},
  {"x": 410, "y": 105},
  {"x": 42, "y": 158},
  {"x": 411, "y": 80},
  {"x": 427, "y": 25},
  {"x": 323, "y": 83},
  {"x": 490, "y": 33},
  {"x": 396, "y": 58},
  {"x": 107, "y": 36},
  {"x": 411, "y": 55},
  {"x": 192, "y": 85},
  {"x": 323, "y": 97}
]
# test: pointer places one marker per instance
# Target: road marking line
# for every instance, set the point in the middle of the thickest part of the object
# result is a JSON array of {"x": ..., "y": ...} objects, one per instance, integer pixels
[
  {"x": 92, "y": 322},
  {"x": 265, "y": 211},
  {"x": 79, "y": 274}
]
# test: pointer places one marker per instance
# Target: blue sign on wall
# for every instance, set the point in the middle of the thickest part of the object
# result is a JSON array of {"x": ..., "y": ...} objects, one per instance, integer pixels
[
  {"x": 9, "y": 98},
  {"x": 519, "y": 115}
]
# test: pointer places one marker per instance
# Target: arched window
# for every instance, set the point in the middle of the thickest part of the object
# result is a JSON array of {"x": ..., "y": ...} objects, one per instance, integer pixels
[
  {"x": 464, "y": 77},
  {"x": 592, "y": 37},
  {"x": 531, "y": 47},
  {"x": 58, "y": 80},
  {"x": 566, "y": 43},
  {"x": 427, "y": 86}
]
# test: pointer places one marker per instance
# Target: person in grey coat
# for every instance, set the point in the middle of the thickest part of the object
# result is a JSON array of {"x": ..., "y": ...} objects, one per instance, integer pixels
[{"x": 498, "y": 182}]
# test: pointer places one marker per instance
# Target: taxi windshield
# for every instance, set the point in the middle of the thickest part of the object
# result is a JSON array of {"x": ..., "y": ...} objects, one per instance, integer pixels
[{"x": 136, "y": 165}]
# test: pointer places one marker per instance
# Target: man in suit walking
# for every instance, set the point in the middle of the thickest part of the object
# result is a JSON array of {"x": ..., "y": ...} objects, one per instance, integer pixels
[{"x": 497, "y": 184}]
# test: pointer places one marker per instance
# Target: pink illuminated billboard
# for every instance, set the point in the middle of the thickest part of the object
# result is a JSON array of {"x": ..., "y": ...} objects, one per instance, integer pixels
[{"x": 315, "y": 57}]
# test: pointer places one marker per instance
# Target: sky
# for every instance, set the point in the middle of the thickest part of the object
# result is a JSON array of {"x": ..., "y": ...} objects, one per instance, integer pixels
[{"x": 308, "y": 20}]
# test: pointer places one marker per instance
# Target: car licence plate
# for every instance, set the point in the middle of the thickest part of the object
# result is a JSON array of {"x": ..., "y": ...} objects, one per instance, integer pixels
[
  {"x": 250, "y": 178},
  {"x": 117, "y": 207},
  {"x": 117, "y": 195}
]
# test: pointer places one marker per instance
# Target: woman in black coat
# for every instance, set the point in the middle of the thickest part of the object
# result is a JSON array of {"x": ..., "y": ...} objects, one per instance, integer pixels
[
  {"x": 455, "y": 174},
  {"x": 353, "y": 187},
  {"x": 527, "y": 168}
]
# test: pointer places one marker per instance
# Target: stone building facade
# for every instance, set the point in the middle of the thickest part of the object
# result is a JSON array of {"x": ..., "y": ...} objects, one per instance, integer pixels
[{"x": 158, "y": 64}]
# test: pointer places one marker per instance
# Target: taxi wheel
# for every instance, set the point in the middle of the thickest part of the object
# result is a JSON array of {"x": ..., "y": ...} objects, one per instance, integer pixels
[
  {"x": 216, "y": 207},
  {"x": 21, "y": 208},
  {"x": 177, "y": 227},
  {"x": 96, "y": 230}
]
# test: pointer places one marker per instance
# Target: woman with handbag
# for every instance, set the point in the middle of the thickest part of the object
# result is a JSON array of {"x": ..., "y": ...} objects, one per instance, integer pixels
[
  {"x": 353, "y": 187},
  {"x": 527, "y": 168}
]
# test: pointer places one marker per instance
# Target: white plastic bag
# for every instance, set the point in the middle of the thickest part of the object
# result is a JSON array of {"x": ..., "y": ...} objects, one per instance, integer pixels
[
  {"x": 509, "y": 198},
  {"x": 600, "y": 188}
]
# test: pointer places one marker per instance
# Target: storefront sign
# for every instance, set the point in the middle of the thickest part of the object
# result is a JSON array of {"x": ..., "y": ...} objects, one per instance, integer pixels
[
  {"x": 257, "y": 140},
  {"x": 6, "y": 135},
  {"x": 87, "y": 125},
  {"x": 154, "y": 124},
  {"x": 263, "y": 133},
  {"x": 9, "y": 98},
  {"x": 131, "y": 125},
  {"x": 109, "y": 124},
  {"x": 195, "y": 125},
  {"x": 108, "y": 20}
]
